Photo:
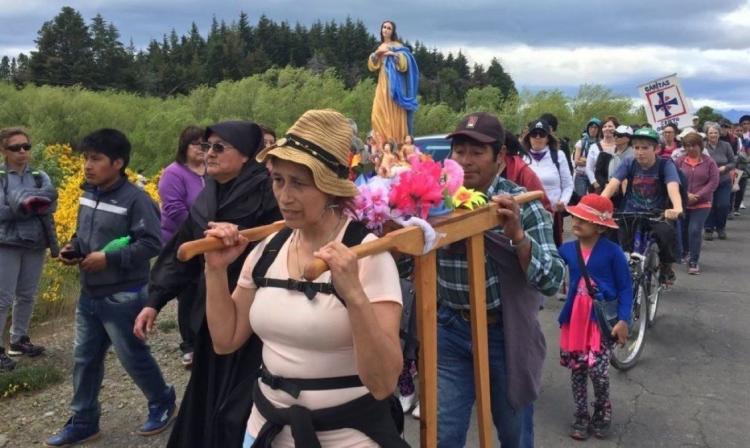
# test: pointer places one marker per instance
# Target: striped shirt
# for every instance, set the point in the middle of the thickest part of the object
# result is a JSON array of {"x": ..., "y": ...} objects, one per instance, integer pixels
[{"x": 545, "y": 271}]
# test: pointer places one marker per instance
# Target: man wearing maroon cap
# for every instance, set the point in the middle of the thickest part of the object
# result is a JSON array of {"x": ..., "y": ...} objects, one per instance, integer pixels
[{"x": 522, "y": 265}]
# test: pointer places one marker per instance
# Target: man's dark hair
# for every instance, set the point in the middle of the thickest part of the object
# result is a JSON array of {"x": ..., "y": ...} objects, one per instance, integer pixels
[
  {"x": 550, "y": 119},
  {"x": 460, "y": 139},
  {"x": 110, "y": 142},
  {"x": 189, "y": 135}
]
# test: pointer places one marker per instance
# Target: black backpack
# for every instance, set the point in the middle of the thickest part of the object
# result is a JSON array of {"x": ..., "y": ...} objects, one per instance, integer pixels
[
  {"x": 662, "y": 167},
  {"x": 353, "y": 235}
]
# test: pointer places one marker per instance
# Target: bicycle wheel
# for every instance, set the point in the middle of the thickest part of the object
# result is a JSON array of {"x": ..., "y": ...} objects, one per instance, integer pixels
[
  {"x": 653, "y": 286},
  {"x": 626, "y": 356}
]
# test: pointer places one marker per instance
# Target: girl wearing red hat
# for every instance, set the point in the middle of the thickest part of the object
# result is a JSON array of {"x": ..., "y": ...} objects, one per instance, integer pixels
[{"x": 584, "y": 348}]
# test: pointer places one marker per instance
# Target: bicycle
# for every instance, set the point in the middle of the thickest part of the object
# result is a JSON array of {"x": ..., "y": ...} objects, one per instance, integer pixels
[{"x": 643, "y": 261}]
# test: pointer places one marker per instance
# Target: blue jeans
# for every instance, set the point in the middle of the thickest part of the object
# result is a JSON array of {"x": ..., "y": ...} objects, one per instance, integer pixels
[
  {"x": 717, "y": 219},
  {"x": 692, "y": 232},
  {"x": 456, "y": 393},
  {"x": 105, "y": 321},
  {"x": 581, "y": 184}
]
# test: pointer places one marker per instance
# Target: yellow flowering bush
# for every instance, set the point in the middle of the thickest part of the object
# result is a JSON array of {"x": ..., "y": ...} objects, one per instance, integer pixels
[{"x": 59, "y": 283}]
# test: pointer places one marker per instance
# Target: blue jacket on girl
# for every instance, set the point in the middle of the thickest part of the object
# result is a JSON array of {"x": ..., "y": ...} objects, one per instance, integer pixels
[{"x": 608, "y": 268}]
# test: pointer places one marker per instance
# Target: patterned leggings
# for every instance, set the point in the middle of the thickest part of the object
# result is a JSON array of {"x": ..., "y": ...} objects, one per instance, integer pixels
[{"x": 599, "y": 374}]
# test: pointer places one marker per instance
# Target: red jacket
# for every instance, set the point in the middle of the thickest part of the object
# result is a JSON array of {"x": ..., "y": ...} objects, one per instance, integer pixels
[{"x": 518, "y": 172}]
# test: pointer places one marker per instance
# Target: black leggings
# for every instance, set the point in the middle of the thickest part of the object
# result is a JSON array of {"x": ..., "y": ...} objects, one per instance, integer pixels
[{"x": 664, "y": 234}]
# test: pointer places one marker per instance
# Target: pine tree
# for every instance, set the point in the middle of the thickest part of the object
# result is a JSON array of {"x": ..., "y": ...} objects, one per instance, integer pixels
[
  {"x": 497, "y": 77},
  {"x": 5, "y": 69},
  {"x": 64, "y": 55}
]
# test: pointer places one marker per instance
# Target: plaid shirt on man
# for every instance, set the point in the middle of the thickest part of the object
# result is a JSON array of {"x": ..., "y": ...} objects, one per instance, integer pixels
[{"x": 545, "y": 271}]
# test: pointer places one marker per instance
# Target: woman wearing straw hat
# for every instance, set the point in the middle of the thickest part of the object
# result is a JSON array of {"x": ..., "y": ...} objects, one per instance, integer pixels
[{"x": 332, "y": 343}]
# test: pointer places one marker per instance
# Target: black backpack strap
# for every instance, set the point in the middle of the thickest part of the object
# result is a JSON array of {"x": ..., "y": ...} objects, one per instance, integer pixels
[
  {"x": 585, "y": 271},
  {"x": 555, "y": 159},
  {"x": 269, "y": 253},
  {"x": 354, "y": 234},
  {"x": 38, "y": 178}
]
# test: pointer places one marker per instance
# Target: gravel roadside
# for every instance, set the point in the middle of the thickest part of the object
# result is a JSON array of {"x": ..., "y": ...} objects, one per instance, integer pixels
[{"x": 29, "y": 418}]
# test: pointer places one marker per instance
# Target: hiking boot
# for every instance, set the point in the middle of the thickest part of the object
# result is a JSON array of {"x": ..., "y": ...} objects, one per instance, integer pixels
[
  {"x": 580, "y": 429},
  {"x": 159, "y": 415},
  {"x": 74, "y": 433},
  {"x": 693, "y": 269},
  {"x": 722, "y": 234},
  {"x": 25, "y": 347},
  {"x": 708, "y": 235},
  {"x": 601, "y": 421},
  {"x": 6, "y": 363}
]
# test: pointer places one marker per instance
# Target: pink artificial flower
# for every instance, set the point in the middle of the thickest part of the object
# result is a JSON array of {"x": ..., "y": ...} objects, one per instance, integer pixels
[
  {"x": 453, "y": 176},
  {"x": 416, "y": 191}
]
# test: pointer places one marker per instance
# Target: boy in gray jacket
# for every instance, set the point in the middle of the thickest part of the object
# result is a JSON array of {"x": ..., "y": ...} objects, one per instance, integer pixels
[
  {"x": 27, "y": 201},
  {"x": 117, "y": 233}
]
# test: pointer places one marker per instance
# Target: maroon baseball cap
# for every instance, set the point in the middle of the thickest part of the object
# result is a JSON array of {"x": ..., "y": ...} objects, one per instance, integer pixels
[{"x": 480, "y": 126}]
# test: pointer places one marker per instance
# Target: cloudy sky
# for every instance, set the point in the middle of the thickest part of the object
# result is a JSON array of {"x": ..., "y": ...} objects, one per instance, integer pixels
[{"x": 542, "y": 43}]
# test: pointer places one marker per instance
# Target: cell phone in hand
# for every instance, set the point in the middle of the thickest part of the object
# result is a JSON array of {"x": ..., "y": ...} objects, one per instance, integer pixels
[{"x": 71, "y": 254}]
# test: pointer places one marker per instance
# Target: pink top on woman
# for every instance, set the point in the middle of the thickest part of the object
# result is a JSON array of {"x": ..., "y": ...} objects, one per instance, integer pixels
[{"x": 312, "y": 338}]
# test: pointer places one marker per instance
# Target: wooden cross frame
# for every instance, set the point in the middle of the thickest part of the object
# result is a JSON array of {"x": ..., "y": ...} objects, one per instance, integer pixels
[{"x": 468, "y": 225}]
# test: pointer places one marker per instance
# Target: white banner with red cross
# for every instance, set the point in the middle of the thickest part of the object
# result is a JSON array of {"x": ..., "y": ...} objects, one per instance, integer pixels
[{"x": 666, "y": 102}]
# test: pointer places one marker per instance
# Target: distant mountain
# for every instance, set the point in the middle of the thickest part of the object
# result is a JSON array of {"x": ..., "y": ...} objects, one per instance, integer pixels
[{"x": 733, "y": 114}]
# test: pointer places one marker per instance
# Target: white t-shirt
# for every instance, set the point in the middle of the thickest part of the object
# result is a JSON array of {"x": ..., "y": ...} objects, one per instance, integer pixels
[{"x": 312, "y": 338}]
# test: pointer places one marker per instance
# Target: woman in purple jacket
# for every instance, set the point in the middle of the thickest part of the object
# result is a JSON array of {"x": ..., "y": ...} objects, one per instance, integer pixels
[
  {"x": 703, "y": 178},
  {"x": 179, "y": 185}
]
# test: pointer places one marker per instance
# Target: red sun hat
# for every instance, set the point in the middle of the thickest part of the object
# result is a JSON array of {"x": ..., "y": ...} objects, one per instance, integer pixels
[{"x": 595, "y": 209}]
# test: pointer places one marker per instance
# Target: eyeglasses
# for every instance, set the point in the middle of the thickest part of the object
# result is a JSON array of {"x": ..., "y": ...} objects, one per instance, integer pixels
[
  {"x": 537, "y": 135},
  {"x": 217, "y": 147},
  {"x": 202, "y": 145},
  {"x": 16, "y": 148}
]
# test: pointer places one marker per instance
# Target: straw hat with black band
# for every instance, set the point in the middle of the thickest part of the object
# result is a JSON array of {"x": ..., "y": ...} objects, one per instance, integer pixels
[{"x": 321, "y": 140}]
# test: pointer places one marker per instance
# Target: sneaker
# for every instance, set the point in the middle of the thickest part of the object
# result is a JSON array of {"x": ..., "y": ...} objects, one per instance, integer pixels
[
  {"x": 6, "y": 363},
  {"x": 742, "y": 206},
  {"x": 415, "y": 412},
  {"x": 601, "y": 421},
  {"x": 580, "y": 428},
  {"x": 736, "y": 213},
  {"x": 708, "y": 235},
  {"x": 74, "y": 433},
  {"x": 693, "y": 269},
  {"x": 722, "y": 234},
  {"x": 159, "y": 416},
  {"x": 25, "y": 347},
  {"x": 187, "y": 360},
  {"x": 407, "y": 401},
  {"x": 685, "y": 259}
]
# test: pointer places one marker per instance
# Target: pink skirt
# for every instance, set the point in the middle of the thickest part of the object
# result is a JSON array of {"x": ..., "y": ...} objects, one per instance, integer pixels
[{"x": 580, "y": 338}]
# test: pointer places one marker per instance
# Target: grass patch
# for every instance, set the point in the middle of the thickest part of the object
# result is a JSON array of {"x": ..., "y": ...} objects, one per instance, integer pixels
[
  {"x": 166, "y": 325},
  {"x": 28, "y": 379}
]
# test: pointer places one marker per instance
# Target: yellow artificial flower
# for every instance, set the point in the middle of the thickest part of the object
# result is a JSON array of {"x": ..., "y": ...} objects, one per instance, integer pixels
[{"x": 467, "y": 198}]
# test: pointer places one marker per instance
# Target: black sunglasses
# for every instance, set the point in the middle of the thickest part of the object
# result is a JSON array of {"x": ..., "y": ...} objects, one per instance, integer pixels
[
  {"x": 217, "y": 147},
  {"x": 537, "y": 135},
  {"x": 16, "y": 148}
]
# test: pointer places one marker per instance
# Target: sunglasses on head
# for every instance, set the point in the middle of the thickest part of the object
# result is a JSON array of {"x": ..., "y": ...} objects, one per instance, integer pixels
[
  {"x": 217, "y": 147},
  {"x": 16, "y": 148}
]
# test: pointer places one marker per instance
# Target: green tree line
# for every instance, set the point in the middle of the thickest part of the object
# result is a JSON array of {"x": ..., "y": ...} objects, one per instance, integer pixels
[
  {"x": 276, "y": 98},
  {"x": 71, "y": 52}
]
